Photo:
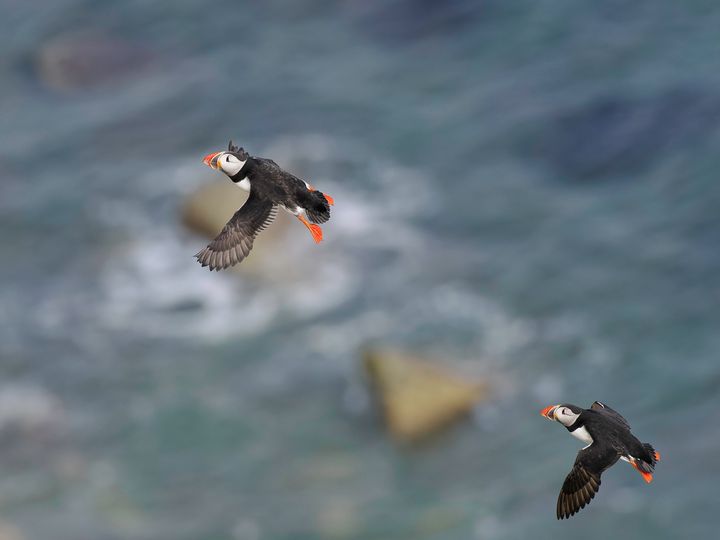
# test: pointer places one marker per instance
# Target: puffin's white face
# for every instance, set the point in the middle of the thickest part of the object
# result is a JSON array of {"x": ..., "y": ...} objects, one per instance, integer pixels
[
  {"x": 565, "y": 416},
  {"x": 229, "y": 164},
  {"x": 560, "y": 413}
]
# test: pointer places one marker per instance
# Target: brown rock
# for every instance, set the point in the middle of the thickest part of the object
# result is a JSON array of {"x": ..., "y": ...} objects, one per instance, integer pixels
[
  {"x": 208, "y": 209},
  {"x": 10, "y": 532},
  {"x": 418, "y": 398}
]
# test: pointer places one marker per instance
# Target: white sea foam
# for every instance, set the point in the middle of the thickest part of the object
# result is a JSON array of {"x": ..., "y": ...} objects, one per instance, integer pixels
[{"x": 28, "y": 408}]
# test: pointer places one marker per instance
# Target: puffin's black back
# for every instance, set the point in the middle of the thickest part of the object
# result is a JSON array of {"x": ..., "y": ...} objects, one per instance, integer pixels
[{"x": 273, "y": 183}]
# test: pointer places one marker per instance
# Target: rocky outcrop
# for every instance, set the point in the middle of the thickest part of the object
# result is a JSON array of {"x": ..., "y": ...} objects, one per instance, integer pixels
[{"x": 417, "y": 397}]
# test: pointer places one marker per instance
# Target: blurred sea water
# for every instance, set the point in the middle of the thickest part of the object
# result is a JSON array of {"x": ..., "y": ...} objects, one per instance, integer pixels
[{"x": 525, "y": 190}]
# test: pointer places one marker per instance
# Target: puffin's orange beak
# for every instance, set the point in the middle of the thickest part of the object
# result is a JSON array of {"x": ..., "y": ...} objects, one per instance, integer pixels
[
  {"x": 211, "y": 159},
  {"x": 549, "y": 412}
]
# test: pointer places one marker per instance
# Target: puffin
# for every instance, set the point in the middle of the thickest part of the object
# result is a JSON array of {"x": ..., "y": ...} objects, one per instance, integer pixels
[
  {"x": 270, "y": 188},
  {"x": 608, "y": 438}
]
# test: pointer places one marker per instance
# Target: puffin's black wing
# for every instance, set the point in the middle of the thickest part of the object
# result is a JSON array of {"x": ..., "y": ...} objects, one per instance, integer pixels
[
  {"x": 235, "y": 241},
  {"x": 583, "y": 482},
  {"x": 609, "y": 413}
]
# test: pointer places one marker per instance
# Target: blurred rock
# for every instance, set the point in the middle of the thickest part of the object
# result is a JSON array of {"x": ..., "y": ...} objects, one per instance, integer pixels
[
  {"x": 8, "y": 532},
  {"x": 76, "y": 62},
  {"x": 418, "y": 398},
  {"x": 208, "y": 209}
]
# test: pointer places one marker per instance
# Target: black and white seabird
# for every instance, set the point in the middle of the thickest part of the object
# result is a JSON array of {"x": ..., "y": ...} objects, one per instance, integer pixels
[
  {"x": 270, "y": 187},
  {"x": 608, "y": 438}
]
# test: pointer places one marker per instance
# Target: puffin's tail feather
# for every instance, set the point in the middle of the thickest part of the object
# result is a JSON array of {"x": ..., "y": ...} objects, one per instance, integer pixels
[
  {"x": 645, "y": 469},
  {"x": 643, "y": 466},
  {"x": 652, "y": 454},
  {"x": 318, "y": 209}
]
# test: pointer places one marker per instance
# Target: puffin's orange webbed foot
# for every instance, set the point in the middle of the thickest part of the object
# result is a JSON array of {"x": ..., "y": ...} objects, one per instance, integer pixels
[
  {"x": 648, "y": 477},
  {"x": 315, "y": 230}
]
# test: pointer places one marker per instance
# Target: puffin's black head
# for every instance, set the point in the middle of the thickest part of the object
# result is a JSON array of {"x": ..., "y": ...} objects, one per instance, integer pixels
[
  {"x": 239, "y": 151},
  {"x": 565, "y": 413},
  {"x": 230, "y": 162}
]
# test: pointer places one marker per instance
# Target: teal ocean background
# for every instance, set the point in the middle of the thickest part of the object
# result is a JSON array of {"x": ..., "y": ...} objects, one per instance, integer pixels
[{"x": 526, "y": 191}]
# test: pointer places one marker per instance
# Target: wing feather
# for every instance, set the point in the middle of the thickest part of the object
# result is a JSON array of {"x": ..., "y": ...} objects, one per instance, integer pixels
[
  {"x": 236, "y": 239},
  {"x": 583, "y": 481},
  {"x": 609, "y": 412}
]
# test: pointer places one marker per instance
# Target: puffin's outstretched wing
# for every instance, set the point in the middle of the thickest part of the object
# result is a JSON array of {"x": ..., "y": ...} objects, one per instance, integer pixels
[
  {"x": 610, "y": 413},
  {"x": 583, "y": 482},
  {"x": 235, "y": 241}
]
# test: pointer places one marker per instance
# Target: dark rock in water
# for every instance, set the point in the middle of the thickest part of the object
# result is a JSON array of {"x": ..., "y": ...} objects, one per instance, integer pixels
[
  {"x": 79, "y": 62},
  {"x": 407, "y": 20},
  {"x": 615, "y": 136}
]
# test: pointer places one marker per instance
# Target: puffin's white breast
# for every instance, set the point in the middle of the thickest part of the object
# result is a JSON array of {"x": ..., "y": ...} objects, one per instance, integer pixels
[
  {"x": 244, "y": 184},
  {"x": 582, "y": 434}
]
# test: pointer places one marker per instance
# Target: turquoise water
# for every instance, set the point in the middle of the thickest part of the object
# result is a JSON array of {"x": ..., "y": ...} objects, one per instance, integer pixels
[{"x": 525, "y": 191}]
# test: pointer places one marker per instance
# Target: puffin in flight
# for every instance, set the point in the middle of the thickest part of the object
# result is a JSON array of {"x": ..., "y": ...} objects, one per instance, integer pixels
[
  {"x": 608, "y": 438},
  {"x": 270, "y": 187}
]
